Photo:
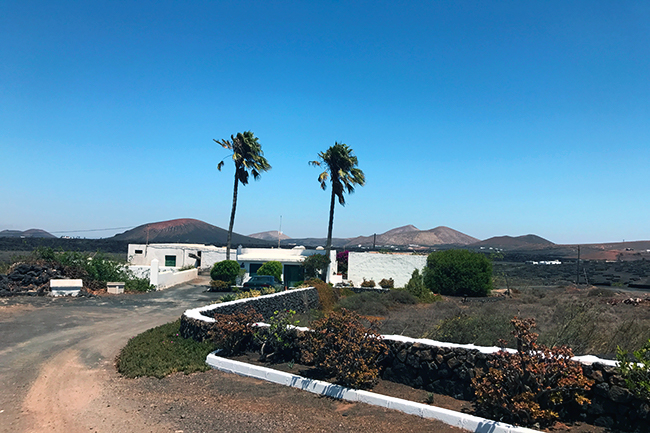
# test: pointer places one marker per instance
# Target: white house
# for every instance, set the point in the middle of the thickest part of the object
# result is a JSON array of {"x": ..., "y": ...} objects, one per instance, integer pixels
[{"x": 250, "y": 259}]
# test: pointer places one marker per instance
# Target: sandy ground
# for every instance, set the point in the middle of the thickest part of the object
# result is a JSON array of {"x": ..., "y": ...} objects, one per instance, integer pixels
[{"x": 57, "y": 374}]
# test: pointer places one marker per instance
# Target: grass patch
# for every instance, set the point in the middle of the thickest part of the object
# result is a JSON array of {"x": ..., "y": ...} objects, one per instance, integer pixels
[{"x": 161, "y": 351}]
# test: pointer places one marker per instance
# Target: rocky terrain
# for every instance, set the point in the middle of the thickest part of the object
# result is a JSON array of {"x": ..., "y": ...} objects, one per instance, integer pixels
[{"x": 28, "y": 279}]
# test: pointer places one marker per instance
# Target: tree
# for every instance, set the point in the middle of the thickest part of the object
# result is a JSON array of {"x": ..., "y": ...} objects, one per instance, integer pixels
[
  {"x": 249, "y": 159},
  {"x": 341, "y": 168},
  {"x": 458, "y": 272},
  {"x": 225, "y": 270},
  {"x": 271, "y": 268},
  {"x": 314, "y": 265}
]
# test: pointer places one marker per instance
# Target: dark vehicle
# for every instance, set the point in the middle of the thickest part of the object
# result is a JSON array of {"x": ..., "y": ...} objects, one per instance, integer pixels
[{"x": 260, "y": 281}]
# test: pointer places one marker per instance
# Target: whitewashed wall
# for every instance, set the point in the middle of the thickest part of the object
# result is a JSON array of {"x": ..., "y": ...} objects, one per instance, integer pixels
[
  {"x": 377, "y": 266},
  {"x": 170, "y": 278}
]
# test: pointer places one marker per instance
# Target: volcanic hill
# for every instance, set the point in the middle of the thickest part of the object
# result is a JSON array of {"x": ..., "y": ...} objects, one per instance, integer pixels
[
  {"x": 411, "y": 235},
  {"x": 31, "y": 233},
  {"x": 531, "y": 242},
  {"x": 186, "y": 230},
  {"x": 269, "y": 236}
]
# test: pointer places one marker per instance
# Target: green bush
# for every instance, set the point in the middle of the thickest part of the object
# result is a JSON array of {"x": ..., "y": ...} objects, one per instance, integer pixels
[
  {"x": 315, "y": 265},
  {"x": 279, "y": 342},
  {"x": 458, "y": 273},
  {"x": 636, "y": 373},
  {"x": 272, "y": 268},
  {"x": 401, "y": 296},
  {"x": 225, "y": 270},
  {"x": 415, "y": 285},
  {"x": 95, "y": 269},
  {"x": 161, "y": 351}
]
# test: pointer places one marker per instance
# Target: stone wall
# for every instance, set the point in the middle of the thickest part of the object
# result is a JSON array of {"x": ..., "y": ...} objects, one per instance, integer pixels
[
  {"x": 195, "y": 323},
  {"x": 449, "y": 370},
  {"x": 446, "y": 368}
]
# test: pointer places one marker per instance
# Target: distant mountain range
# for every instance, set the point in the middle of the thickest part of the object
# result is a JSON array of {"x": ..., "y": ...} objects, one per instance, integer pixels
[
  {"x": 31, "y": 233},
  {"x": 189, "y": 230}
]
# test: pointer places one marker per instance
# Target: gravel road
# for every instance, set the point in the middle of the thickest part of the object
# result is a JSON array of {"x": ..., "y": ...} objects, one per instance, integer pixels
[{"x": 57, "y": 374}]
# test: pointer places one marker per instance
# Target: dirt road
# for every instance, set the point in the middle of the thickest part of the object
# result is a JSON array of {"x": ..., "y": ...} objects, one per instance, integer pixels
[{"x": 57, "y": 375}]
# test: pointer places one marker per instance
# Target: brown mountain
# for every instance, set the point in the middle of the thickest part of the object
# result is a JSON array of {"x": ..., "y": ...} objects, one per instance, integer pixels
[
  {"x": 269, "y": 236},
  {"x": 31, "y": 233},
  {"x": 186, "y": 230},
  {"x": 411, "y": 235},
  {"x": 514, "y": 243}
]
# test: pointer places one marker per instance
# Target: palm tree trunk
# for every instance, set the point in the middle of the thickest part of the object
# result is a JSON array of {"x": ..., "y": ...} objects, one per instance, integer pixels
[
  {"x": 328, "y": 246},
  {"x": 232, "y": 216}
]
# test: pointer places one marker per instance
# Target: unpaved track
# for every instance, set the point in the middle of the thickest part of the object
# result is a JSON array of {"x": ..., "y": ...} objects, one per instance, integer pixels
[
  {"x": 57, "y": 354},
  {"x": 57, "y": 374}
]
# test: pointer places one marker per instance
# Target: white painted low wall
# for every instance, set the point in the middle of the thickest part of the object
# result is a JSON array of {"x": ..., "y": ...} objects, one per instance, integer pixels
[
  {"x": 377, "y": 266},
  {"x": 462, "y": 420},
  {"x": 172, "y": 278}
]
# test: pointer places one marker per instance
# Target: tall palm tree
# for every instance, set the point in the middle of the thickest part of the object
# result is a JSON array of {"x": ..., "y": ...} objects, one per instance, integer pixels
[
  {"x": 249, "y": 159},
  {"x": 341, "y": 168}
]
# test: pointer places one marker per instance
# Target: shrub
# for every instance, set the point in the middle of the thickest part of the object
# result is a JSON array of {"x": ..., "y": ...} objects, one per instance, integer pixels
[
  {"x": 458, "y": 273},
  {"x": 219, "y": 286},
  {"x": 279, "y": 342},
  {"x": 233, "y": 333},
  {"x": 327, "y": 295},
  {"x": 636, "y": 373},
  {"x": 480, "y": 329},
  {"x": 415, "y": 285},
  {"x": 532, "y": 385},
  {"x": 225, "y": 270},
  {"x": 315, "y": 265},
  {"x": 344, "y": 348},
  {"x": 369, "y": 283},
  {"x": 272, "y": 268},
  {"x": 401, "y": 296},
  {"x": 366, "y": 303},
  {"x": 387, "y": 283}
]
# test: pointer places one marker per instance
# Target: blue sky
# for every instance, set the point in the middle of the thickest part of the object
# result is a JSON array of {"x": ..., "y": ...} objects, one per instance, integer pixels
[{"x": 491, "y": 118}]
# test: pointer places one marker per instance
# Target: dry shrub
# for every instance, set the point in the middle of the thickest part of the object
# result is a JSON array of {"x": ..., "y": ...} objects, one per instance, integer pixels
[
  {"x": 327, "y": 295},
  {"x": 532, "y": 386},
  {"x": 369, "y": 283},
  {"x": 387, "y": 283},
  {"x": 233, "y": 333},
  {"x": 343, "y": 347}
]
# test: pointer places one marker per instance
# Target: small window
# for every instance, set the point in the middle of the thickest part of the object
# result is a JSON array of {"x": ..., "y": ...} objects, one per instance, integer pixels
[
  {"x": 138, "y": 251},
  {"x": 170, "y": 260}
]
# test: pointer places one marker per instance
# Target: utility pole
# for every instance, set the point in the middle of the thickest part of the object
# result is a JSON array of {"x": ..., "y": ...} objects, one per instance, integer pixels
[
  {"x": 280, "y": 232},
  {"x": 374, "y": 241},
  {"x": 578, "y": 268}
]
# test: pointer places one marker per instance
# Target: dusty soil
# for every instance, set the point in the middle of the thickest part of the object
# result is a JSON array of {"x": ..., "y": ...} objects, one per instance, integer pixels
[{"x": 58, "y": 375}]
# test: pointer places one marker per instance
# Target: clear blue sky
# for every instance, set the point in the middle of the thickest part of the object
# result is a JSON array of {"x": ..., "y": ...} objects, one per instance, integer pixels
[{"x": 491, "y": 118}]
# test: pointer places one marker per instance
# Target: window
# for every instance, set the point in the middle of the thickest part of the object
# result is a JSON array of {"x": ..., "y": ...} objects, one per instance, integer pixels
[
  {"x": 170, "y": 260},
  {"x": 138, "y": 251}
]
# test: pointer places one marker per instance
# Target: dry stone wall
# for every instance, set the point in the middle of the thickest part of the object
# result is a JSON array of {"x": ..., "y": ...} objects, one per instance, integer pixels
[{"x": 196, "y": 323}]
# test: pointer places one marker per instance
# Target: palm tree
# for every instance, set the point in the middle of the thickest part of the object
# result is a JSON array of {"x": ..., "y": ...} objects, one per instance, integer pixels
[
  {"x": 340, "y": 167},
  {"x": 249, "y": 159}
]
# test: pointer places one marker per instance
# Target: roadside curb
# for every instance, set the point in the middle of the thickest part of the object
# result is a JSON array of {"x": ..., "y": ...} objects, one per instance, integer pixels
[{"x": 456, "y": 419}]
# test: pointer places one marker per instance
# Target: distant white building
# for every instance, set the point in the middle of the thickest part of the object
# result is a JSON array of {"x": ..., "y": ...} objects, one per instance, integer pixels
[{"x": 250, "y": 259}]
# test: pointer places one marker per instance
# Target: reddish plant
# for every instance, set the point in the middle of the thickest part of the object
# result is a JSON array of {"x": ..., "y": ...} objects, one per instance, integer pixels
[
  {"x": 346, "y": 349},
  {"x": 233, "y": 333},
  {"x": 532, "y": 385}
]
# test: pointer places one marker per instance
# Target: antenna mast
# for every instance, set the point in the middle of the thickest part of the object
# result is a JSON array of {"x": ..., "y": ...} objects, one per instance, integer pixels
[{"x": 280, "y": 231}]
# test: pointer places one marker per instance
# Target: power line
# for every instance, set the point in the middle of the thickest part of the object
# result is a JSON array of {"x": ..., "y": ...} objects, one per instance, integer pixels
[{"x": 93, "y": 230}]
